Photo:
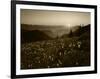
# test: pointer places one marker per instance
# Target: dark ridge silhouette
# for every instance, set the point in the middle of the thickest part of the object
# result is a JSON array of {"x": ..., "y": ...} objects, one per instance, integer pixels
[
  {"x": 82, "y": 32},
  {"x": 32, "y": 36},
  {"x": 51, "y": 30},
  {"x": 85, "y": 32}
]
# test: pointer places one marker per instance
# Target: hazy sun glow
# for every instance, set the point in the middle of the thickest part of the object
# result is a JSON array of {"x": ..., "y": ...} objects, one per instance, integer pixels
[{"x": 43, "y": 17}]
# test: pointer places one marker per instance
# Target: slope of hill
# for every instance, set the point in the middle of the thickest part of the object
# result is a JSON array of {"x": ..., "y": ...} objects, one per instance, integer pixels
[
  {"x": 34, "y": 35},
  {"x": 73, "y": 51},
  {"x": 51, "y": 30},
  {"x": 82, "y": 32}
]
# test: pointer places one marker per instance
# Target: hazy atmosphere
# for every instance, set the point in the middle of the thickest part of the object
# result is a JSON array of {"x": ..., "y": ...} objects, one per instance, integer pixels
[
  {"x": 54, "y": 39},
  {"x": 43, "y": 17}
]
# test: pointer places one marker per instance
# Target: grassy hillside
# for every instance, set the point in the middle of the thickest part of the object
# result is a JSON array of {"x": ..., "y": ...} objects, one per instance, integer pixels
[
  {"x": 67, "y": 51},
  {"x": 32, "y": 36}
]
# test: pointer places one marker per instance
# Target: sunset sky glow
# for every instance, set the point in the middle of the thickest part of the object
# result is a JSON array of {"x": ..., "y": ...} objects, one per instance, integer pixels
[{"x": 47, "y": 17}]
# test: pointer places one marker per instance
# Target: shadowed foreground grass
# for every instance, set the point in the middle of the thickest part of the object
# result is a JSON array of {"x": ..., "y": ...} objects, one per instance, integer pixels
[{"x": 62, "y": 52}]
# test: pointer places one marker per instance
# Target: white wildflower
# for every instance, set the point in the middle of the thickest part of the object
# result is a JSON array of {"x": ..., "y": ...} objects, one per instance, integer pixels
[
  {"x": 79, "y": 44},
  {"x": 70, "y": 45},
  {"x": 77, "y": 63},
  {"x": 59, "y": 62},
  {"x": 48, "y": 66}
]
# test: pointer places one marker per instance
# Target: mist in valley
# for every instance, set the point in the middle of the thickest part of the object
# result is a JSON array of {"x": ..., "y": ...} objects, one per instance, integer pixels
[{"x": 53, "y": 39}]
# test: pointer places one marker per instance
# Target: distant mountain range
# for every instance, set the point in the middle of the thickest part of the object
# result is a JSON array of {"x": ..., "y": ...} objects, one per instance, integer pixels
[
  {"x": 43, "y": 32},
  {"x": 51, "y": 30}
]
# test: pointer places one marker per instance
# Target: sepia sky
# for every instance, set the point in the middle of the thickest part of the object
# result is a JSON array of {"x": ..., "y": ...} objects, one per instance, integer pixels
[{"x": 44, "y": 17}]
